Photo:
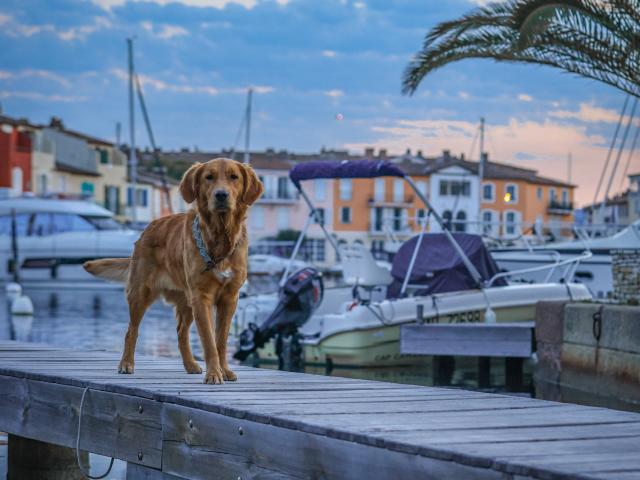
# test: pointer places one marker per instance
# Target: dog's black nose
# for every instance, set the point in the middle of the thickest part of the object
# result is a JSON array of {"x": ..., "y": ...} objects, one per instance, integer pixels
[{"x": 221, "y": 195}]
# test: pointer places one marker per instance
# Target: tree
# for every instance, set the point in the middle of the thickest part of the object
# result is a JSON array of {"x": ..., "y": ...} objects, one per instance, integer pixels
[{"x": 598, "y": 39}]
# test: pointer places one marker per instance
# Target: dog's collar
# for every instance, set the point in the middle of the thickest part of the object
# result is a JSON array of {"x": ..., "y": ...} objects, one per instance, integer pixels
[{"x": 210, "y": 262}]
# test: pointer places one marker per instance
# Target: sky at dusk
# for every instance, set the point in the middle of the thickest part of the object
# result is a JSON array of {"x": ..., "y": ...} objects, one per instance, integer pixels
[{"x": 309, "y": 61}]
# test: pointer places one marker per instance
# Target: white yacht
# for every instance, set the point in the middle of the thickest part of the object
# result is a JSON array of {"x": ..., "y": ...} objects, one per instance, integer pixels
[
  {"x": 54, "y": 237},
  {"x": 594, "y": 272}
]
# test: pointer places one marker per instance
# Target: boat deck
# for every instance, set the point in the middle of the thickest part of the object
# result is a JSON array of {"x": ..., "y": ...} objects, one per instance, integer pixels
[{"x": 273, "y": 424}]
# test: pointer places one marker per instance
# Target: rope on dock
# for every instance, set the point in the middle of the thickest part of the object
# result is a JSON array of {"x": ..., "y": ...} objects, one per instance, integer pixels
[{"x": 85, "y": 473}]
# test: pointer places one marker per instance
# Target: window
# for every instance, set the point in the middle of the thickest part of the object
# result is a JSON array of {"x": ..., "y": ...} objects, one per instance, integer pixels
[
  {"x": 489, "y": 192},
  {"x": 346, "y": 187},
  {"x": 461, "y": 221},
  {"x": 345, "y": 215},
  {"x": 283, "y": 218},
  {"x": 42, "y": 184},
  {"x": 313, "y": 249},
  {"x": 444, "y": 188},
  {"x": 398, "y": 190},
  {"x": 487, "y": 221},
  {"x": 511, "y": 222},
  {"x": 397, "y": 219},
  {"x": 447, "y": 216},
  {"x": 62, "y": 182},
  {"x": 16, "y": 180},
  {"x": 320, "y": 189},
  {"x": 112, "y": 198},
  {"x": 539, "y": 193},
  {"x": 378, "y": 219},
  {"x": 511, "y": 193},
  {"x": 283, "y": 187},
  {"x": 378, "y": 189},
  {"x": 421, "y": 216},
  {"x": 256, "y": 217},
  {"x": 66, "y": 222},
  {"x": 565, "y": 197},
  {"x": 142, "y": 197},
  {"x": 552, "y": 195},
  {"x": 320, "y": 213},
  {"x": 104, "y": 156}
]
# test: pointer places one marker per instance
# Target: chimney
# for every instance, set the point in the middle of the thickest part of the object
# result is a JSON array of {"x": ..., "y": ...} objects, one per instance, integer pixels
[
  {"x": 462, "y": 156},
  {"x": 368, "y": 152},
  {"x": 408, "y": 152},
  {"x": 56, "y": 122},
  {"x": 446, "y": 154},
  {"x": 485, "y": 157},
  {"x": 419, "y": 154},
  {"x": 382, "y": 153}
]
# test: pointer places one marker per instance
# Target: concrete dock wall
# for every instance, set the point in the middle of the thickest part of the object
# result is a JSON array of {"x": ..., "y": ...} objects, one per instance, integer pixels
[{"x": 588, "y": 353}]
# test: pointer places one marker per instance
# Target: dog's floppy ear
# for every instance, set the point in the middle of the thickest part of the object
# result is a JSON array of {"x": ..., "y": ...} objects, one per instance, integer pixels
[
  {"x": 188, "y": 184},
  {"x": 252, "y": 185}
]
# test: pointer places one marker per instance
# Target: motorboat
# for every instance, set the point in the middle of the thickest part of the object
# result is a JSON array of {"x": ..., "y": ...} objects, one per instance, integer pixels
[
  {"x": 53, "y": 237},
  {"x": 595, "y": 272},
  {"x": 440, "y": 278}
]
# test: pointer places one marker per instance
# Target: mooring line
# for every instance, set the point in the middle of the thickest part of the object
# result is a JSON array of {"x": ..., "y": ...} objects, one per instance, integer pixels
[{"x": 87, "y": 474}]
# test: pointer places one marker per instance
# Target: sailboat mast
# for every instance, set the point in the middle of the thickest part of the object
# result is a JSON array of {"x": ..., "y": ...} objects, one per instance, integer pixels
[
  {"x": 133, "y": 161},
  {"x": 247, "y": 131},
  {"x": 480, "y": 175}
]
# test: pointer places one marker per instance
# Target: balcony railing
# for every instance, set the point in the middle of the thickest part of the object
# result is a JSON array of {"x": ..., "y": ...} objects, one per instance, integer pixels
[
  {"x": 406, "y": 202},
  {"x": 556, "y": 206},
  {"x": 279, "y": 197}
]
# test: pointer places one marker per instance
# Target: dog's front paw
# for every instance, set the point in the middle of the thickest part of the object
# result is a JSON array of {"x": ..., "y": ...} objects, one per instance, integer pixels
[
  {"x": 193, "y": 367},
  {"x": 125, "y": 367},
  {"x": 214, "y": 376},
  {"x": 229, "y": 375}
]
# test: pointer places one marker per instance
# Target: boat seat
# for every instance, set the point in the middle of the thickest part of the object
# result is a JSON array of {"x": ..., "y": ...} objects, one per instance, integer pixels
[{"x": 360, "y": 268}]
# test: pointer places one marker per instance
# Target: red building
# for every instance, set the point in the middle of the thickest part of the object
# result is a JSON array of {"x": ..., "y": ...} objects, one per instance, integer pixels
[{"x": 15, "y": 154}]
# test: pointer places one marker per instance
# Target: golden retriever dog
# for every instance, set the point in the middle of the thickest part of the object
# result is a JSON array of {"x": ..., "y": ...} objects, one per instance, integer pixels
[{"x": 167, "y": 262}]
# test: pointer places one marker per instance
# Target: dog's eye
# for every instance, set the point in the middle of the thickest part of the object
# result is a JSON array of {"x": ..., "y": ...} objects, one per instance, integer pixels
[
  {"x": 234, "y": 176},
  {"x": 209, "y": 177}
]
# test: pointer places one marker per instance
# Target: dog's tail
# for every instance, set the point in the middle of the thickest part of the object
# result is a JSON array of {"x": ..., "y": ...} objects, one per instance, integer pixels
[{"x": 114, "y": 269}]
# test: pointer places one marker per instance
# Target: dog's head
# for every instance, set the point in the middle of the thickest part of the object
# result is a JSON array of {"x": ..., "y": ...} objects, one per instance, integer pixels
[{"x": 220, "y": 185}]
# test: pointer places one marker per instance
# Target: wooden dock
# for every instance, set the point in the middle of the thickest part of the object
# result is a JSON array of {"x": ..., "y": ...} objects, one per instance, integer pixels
[{"x": 279, "y": 425}]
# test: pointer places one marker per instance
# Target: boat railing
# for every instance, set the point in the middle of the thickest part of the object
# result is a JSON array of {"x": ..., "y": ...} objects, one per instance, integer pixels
[{"x": 572, "y": 264}]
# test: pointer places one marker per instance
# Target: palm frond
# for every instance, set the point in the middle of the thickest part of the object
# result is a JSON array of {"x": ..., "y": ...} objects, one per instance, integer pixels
[{"x": 597, "y": 39}]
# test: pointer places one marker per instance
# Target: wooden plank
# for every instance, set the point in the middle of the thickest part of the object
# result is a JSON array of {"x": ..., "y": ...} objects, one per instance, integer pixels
[
  {"x": 112, "y": 425},
  {"x": 477, "y": 340},
  {"x": 235, "y": 448}
]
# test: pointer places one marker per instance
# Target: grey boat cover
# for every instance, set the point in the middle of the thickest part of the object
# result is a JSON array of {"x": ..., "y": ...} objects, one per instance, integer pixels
[{"x": 439, "y": 267}]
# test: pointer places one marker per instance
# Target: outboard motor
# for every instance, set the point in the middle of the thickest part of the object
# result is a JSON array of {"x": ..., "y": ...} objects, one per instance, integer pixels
[{"x": 298, "y": 299}]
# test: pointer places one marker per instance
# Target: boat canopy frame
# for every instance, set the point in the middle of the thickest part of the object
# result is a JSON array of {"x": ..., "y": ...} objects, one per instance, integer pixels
[{"x": 349, "y": 169}]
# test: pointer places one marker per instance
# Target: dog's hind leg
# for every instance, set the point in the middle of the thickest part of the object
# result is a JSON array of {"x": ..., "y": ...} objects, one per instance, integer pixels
[{"x": 139, "y": 298}]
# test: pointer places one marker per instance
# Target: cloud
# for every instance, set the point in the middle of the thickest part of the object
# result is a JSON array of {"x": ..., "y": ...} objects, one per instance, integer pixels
[
  {"x": 218, "y": 4},
  {"x": 7, "y": 75},
  {"x": 160, "y": 85},
  {"x": 464, "y": 95},
  {"x": 588, "y": 113},
  {"x": 360, "y": 5},
  {"x": 329, "y": 53},
  {"x": 164, "y": 31},
  {"x": 514, "y": 141},
  {"x": 523, "y": 97},
  {"x": 335, "y": 93},
  {"x": 42, "y": 97},
  {"x": 14, "y": 28}
]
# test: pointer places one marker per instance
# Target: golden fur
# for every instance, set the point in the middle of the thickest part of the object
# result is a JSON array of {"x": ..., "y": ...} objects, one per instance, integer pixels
[{"x": 166, "y": 262}]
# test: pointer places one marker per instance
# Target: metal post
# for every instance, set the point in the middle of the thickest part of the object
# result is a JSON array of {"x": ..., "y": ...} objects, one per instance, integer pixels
[
  {"x": 413, "y": 259},
  {"x": 14, "y": 247},
  {"x": 247, "y": 131},
  {"x": 314, "y": 213},
  {"x": 467, "y": 263},
  {"x": 133, "y": 161}
]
